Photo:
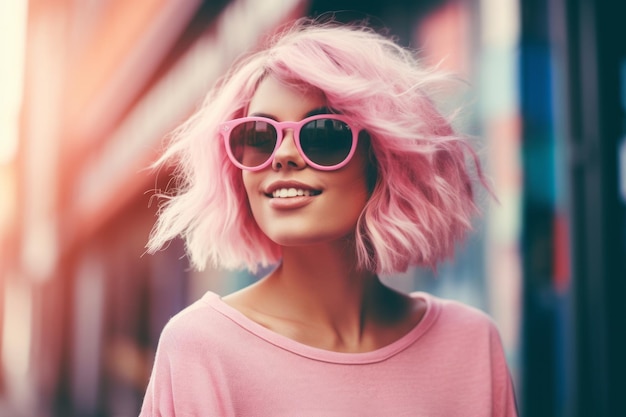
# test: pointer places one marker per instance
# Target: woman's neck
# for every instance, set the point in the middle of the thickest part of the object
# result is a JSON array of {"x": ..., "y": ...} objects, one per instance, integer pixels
[
  {"x": 317, "y": 296},
  {"x": 325, "y": 285}
]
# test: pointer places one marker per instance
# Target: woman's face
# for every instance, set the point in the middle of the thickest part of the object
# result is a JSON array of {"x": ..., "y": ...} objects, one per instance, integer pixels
[{"x": 326, "y": 204}]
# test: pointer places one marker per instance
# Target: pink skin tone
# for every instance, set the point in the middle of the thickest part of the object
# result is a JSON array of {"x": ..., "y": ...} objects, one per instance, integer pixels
[{"x": 316, "y": 296}]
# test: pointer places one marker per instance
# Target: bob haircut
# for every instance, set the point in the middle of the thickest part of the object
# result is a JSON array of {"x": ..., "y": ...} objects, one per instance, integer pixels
[{"x": 421, "y": 201}]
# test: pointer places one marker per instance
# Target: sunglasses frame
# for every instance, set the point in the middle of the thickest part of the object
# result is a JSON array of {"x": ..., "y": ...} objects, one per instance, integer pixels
[{"x": 227, "y": 127}]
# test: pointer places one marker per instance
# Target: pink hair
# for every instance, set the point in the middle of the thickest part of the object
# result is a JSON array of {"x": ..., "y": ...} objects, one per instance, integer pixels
[{"x": 422, "y": 201}]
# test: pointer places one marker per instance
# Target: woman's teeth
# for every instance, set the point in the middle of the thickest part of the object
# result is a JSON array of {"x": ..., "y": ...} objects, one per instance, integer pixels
[{"x": 293, "y": 192}]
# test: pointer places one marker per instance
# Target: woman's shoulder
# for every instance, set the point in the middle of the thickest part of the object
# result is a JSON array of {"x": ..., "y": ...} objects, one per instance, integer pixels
[
  {"x": 197, "y": 323},
  {"x": 460, "y": 328},
  {"x": 454, "y": 312}
]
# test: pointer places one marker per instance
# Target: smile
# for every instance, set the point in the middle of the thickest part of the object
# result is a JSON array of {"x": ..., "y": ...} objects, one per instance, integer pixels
[{"x": 294, "y": 192}]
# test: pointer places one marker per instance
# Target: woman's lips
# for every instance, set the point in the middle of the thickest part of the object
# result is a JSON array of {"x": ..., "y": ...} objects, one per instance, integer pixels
[
  {"x": 291, "y": 203},
  {"x": 291, "y": 197}
]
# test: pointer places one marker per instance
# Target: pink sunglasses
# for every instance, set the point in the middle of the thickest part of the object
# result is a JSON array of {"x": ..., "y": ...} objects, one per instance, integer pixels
[{"x": 325, "y": 141}]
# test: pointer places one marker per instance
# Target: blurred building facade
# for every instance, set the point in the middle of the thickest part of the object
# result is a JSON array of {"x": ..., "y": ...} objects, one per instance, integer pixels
[
  {"x": 82, "y": 306},
  {"x": 573, "y": 108}
]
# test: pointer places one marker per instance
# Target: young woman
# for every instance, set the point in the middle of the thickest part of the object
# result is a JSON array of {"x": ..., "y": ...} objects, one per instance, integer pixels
[{"x": 324, "y": 155}]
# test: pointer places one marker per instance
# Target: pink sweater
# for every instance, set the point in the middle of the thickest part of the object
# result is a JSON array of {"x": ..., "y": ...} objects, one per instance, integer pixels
[{"x": 214, "y": 361}]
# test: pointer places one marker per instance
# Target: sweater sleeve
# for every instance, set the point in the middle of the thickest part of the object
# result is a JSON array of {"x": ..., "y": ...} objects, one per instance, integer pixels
[
  {"x": 184, "y": 381},
  {"x": 158, "y": 400},
  {"x": 504, "y": 402}
]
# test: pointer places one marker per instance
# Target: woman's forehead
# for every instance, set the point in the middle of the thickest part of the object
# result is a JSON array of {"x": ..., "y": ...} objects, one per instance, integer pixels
[{"x": 286, "y": 101}]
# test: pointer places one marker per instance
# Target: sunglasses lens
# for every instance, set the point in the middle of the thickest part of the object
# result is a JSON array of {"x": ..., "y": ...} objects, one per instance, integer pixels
[
  {"x": 326, "y": 142},
  {"x": 252, "y": 143}
]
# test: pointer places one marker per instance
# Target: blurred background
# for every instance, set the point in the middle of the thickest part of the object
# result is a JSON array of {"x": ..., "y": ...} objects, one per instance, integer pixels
[{"x": 89, "y": 89}]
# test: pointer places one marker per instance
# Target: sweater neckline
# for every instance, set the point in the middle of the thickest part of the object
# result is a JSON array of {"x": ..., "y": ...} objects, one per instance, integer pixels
[{"x": 430, "y": 316}]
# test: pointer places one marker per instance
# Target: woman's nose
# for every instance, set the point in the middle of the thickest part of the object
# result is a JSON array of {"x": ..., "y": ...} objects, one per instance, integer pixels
[{"x": 287, "y": 154}]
